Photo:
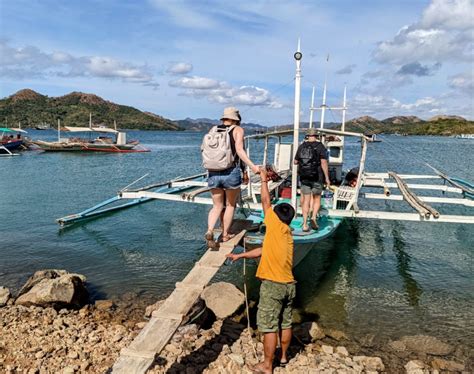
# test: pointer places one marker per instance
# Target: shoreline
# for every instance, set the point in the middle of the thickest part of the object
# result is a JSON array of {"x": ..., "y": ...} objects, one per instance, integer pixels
[{"x": 88, "y": 340}]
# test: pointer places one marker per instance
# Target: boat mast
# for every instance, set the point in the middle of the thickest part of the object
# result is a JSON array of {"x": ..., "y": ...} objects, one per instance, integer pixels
[
  {"x": 311, "y": 110},
  {"x": 323, "y": 106},
  {"x": 343, "y": 123},
  {"x": 90, "y": 120},
  {"x": 59, "y": 130},
  {"x": 296, "y": 133}
]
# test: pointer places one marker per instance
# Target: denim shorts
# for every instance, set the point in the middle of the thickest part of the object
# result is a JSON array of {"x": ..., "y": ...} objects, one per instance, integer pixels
[{"x": 226, "y": 179}]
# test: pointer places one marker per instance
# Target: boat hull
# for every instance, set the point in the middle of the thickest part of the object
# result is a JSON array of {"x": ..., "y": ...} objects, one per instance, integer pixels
[
  {"x": 87, "y": 147},
  {"x": 12, "y": 145}
]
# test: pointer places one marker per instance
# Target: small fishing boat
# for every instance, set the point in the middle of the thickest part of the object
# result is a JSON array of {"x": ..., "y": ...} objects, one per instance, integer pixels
[
  {"x": 105, "y": 140},
  {"x": 43, "y": 126}
]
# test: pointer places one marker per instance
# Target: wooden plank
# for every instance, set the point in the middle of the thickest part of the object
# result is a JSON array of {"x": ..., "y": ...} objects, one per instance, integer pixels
[{"x": 138, "y": 357}]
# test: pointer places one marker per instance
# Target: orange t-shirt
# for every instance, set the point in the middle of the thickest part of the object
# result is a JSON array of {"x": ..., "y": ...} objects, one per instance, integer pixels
[{"x": 276, "y": 263}]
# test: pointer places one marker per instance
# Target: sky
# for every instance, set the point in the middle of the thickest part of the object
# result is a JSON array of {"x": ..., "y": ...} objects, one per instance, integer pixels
[{"x": 192, "y": 58}]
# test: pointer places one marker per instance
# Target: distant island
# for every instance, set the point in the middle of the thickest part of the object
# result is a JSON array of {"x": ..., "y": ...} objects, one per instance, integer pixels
[{"x": 32, "y": 109}]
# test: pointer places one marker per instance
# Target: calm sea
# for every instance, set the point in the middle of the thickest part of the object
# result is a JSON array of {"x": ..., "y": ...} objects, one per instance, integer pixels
[{"x": 389, "y": 278}]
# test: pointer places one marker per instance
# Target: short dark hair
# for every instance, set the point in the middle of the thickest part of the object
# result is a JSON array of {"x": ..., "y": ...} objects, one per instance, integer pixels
[{"x": 285, "y": 212}]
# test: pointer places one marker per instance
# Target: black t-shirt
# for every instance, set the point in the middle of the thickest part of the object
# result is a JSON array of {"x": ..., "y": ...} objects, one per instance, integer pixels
[{"x": 320, "y": 152}]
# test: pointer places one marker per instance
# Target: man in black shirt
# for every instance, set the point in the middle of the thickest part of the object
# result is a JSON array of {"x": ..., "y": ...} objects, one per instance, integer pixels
[{"x": 312, "y": 160}]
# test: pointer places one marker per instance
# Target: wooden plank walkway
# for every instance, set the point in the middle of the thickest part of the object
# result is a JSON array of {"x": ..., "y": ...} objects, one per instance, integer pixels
[{"x": 141, "y": 353}]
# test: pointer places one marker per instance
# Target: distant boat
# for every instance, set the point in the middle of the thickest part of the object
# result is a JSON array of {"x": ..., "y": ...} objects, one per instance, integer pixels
[
  {"x": 465, "y": 136},
  {"x": 372, "y": 138},
  {"x": 43, "y": 126}
]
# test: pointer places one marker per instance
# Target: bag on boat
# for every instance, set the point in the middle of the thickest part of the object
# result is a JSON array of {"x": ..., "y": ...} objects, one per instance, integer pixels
[
  {"x": 216, "y": 149},
  {"x": 309, "y": 162}
]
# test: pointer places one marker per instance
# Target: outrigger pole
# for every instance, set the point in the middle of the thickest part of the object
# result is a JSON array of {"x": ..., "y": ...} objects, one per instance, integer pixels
[{"x": 296, "y": 134}]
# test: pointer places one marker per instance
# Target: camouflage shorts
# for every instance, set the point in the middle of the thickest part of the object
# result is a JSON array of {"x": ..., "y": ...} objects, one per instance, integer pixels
[{"x": 275, "y": 307}]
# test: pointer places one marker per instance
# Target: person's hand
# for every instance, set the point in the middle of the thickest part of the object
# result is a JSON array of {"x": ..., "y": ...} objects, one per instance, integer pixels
[
  {"x": 328, "y": 183},
  {"x": 256, "y": 169},
  {"x": 233, "y": 257},
  {"x": 245, "y": 178},
  {"x": 263, "y": 174}
]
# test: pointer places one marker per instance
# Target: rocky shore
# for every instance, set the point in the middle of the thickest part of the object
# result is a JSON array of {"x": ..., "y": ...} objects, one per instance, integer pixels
[{"x": 88, "y": 339}]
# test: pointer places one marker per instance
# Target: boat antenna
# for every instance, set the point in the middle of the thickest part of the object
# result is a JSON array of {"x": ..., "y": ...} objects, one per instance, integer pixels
[
  {"x": 294, "y": 178},
  {"x": 323, "y": 106},
  {"x": 311, "y": 109}
]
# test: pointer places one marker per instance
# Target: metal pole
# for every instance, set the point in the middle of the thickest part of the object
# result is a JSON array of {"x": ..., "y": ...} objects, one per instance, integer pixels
[
  {"x": 296, "y": 126},
  {"x": 311, "y": 110},
  {"x": 323, "y": 107},
  {"x": 59, "y": 130}
]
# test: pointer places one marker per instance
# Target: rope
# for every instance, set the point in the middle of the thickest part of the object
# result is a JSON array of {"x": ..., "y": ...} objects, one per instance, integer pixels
[{"x": 247, "y": 304}]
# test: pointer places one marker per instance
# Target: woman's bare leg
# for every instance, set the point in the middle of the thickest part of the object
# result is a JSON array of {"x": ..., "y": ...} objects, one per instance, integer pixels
[
  {"x": 231, "y": 199},
  {"x": 305, "y": 210},
  {"x": 218, "y": 196}
]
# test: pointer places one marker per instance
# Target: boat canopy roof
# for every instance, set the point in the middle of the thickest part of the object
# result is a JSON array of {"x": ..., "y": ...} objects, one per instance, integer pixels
[
  {"x": 90, "y": 129},
  {"x": 6, "y": 129}
]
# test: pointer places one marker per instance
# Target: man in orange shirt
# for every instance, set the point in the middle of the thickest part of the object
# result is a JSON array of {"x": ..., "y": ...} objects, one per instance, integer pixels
[{"x": 275, "y": 271}]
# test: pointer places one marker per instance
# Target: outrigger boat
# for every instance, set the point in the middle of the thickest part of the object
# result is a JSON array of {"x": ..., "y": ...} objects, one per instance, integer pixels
[
  {"x": 337, "y": 204},
  {"x": 11, "y": 139},
  {"x": 101, "y": 143}
]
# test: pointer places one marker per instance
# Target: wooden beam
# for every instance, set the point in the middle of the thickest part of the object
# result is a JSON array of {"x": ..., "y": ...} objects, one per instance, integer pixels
[{"x": 428, "y": 199}]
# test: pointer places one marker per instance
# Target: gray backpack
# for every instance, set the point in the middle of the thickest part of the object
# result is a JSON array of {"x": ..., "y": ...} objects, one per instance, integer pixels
[{"x": 216, "y": 149}]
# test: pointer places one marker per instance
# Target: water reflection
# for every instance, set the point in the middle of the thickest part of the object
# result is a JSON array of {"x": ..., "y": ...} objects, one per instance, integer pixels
[{"x": 413, "y": 291}]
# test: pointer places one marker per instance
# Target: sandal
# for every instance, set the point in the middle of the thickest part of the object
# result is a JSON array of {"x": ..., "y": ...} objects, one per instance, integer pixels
[
  {"x": 211, "y": 243},
  {"x": 226, "y": 238},
  {"x": 314, "y": 224},
  {"x": 305, "y": 229}
]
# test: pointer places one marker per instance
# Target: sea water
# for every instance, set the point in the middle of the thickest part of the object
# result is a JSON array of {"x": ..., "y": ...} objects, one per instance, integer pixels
[{"x": 385, "y": 277}]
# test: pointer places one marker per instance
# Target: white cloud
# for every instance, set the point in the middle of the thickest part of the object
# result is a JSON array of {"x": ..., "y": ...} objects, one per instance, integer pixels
[
  {"x": 197, "y": 83},
  {"x": 346, "y": 70},
  {"x": 444, "y": 33},
  {"x": 463, "y": 82},
  {"x": 177, "y": 68},
  {"x": 223, "y": 93},
  {"x": 27, "y": 62}
]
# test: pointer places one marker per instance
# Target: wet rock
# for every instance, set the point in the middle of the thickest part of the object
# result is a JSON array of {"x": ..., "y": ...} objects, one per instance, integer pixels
[
  {"x": 336, "y": 334},
  {"x": 4, "y": 296},
  {"x": 224, "y": 299},
  {"x": 397, "y": 345},
  {"x": 104, "y": 304},
  {"x": 54, "y": 288},
  {"x": 439, "y": 364},
  {"x": 426, "y": 344},
  {"x": 308, "y": 332}
]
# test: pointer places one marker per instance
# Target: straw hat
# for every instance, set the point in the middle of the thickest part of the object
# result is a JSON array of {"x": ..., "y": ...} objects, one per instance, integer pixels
[
  {"x": 312, "y": 131},
  {"x": 231, "y": 113}
]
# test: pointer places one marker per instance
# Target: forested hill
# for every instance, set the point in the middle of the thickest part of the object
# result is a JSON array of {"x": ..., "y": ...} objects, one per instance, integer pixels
[
  {"x": 411, "y": 125},
  {"x": 31, "y": 108}
]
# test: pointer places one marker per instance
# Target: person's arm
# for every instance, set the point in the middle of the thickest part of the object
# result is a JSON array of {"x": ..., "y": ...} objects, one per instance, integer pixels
[
  {"x": 264, "y": 192},
  {"x": 325, "y": 169},
  {"x": 254, "y": 253},
  {"x": 239, "y": 148}
]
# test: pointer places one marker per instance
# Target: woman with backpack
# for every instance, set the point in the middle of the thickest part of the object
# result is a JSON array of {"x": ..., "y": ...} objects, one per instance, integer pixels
[{"x": 222, "y": 151}]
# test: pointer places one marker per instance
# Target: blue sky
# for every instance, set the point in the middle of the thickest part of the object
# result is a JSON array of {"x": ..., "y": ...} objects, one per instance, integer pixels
[{"x": 189, "y": 58}]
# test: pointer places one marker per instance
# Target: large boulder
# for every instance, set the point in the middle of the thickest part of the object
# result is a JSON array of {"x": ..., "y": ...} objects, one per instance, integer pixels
[
  {"x": 224, "y": 299},
  {"x": 4, "y": 296},
  {"x": 54, "y": 288}
]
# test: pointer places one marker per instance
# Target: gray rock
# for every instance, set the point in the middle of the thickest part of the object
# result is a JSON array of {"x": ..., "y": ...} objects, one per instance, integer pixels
[
  {"x": 54, "y": 288},
  {"x": 4, "y": 296},
  {"x": 224, "y": 299},
  {"x": 415, "y": 366},
  {"x": 426, "y": 344}
]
